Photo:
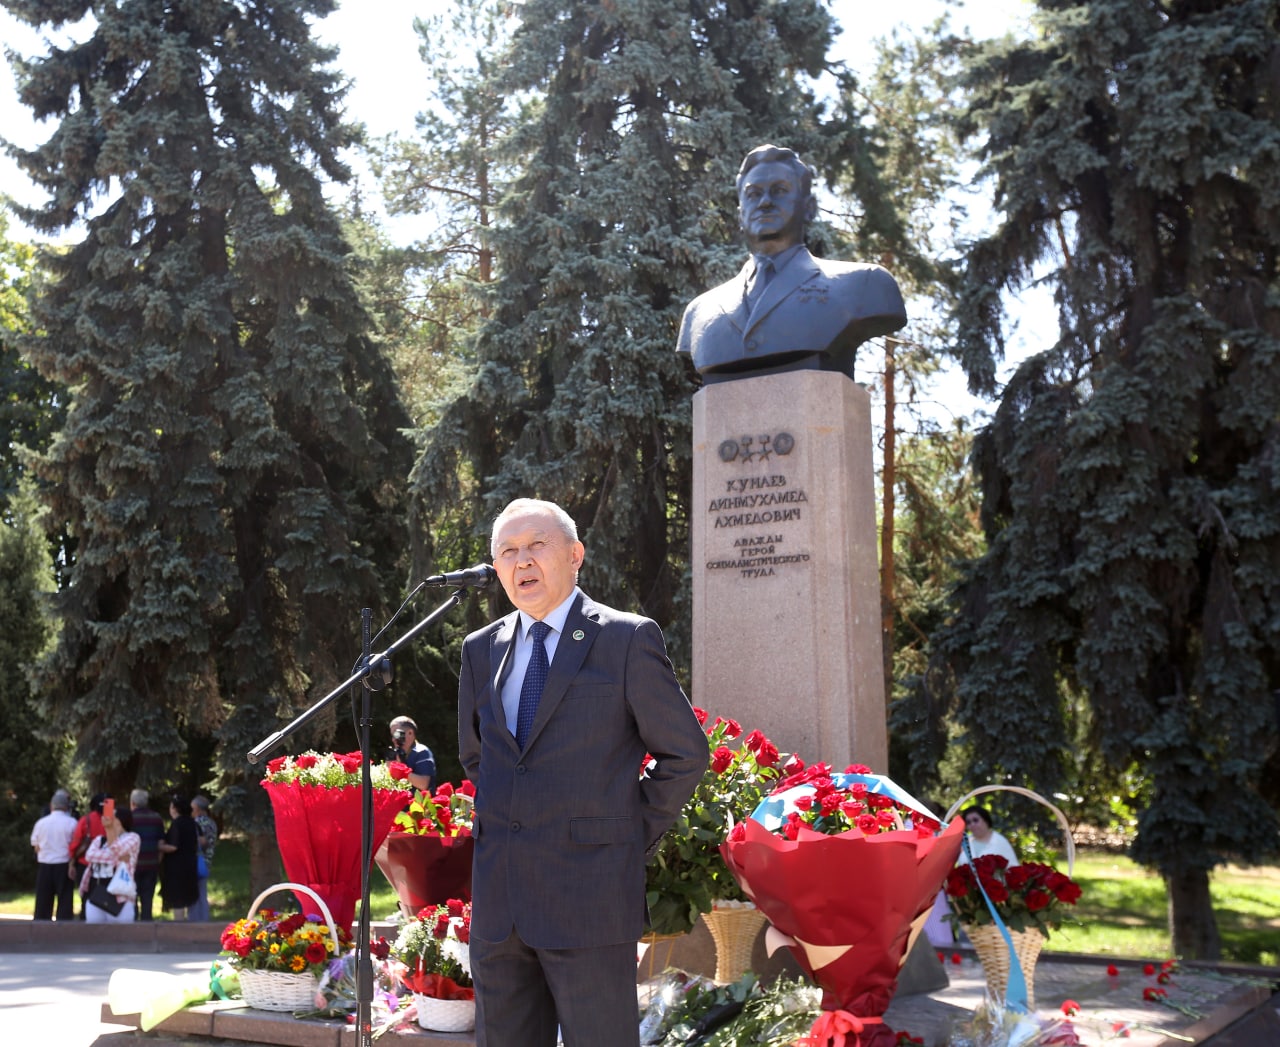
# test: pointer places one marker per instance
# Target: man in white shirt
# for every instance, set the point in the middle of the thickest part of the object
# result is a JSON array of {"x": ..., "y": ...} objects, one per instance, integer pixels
[{"x": 51, "y": 838}]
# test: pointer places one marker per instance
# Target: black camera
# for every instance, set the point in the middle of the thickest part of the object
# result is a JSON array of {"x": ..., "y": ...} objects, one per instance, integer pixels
[{"x": 399, "y": 737}]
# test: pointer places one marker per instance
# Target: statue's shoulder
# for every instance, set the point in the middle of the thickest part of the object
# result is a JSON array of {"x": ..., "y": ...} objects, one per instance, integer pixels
[{"x": 853, "y": 272}]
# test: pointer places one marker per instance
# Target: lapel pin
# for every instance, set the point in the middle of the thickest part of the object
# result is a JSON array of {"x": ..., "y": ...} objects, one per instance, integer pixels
[{"x": 578, "y": 634}]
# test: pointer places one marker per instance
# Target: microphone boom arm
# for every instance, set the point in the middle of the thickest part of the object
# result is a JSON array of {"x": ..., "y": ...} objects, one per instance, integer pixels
[{"x": 374, "y": 662}]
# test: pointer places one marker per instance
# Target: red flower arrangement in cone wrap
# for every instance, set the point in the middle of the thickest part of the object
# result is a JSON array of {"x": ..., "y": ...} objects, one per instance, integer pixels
[
  {"x": 845, "y": 866},
  {"x": 316, "y": 799}
]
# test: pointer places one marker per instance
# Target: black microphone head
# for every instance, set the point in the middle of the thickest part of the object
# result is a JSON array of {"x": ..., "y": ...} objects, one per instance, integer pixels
[{"x": 478, "y": 577}]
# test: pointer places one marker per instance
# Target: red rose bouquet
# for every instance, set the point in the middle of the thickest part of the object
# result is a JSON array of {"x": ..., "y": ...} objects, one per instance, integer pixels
[
  {"x": 845, "y": 867},
  {"x": 427, "y": 855},
  {"x": 316, "y": 801},
  {"x": 1026, "y": 896},
  {"x": 448, "y": 814},
  {"x": 687, "y": 873}
]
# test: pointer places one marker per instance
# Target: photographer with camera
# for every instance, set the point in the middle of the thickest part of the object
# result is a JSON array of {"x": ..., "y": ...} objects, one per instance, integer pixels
[{"x": 406, "y": 748}]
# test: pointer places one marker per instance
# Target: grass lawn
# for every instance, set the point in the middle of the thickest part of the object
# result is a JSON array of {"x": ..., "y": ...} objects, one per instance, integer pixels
[{"x": 1122, "y": 911}]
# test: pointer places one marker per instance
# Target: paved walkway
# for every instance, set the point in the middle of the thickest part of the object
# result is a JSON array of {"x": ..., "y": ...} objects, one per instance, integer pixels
[{"x": 52, "y": 991}]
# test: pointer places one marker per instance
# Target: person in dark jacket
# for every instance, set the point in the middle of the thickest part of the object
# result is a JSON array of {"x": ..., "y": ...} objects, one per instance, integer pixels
[{"x": 179, "y": 879}]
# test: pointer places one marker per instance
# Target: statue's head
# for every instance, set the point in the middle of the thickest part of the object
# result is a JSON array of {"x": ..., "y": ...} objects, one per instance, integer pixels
[{"x": 775, "y": 198}]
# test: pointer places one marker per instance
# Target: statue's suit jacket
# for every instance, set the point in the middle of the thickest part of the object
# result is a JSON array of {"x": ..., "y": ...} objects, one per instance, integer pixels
[
  {"x": 562, "y": 829},
  {"x": 814, "y": 313}
]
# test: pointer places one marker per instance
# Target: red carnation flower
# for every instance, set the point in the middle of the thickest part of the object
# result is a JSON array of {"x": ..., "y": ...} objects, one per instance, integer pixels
[
  {"x": 466, "y": 787},
  {"x": 350, "y": 761},
  {"x": 754, "y": 740},
  {"x": 316, "y": 953},
  {"x": 721, "y": 759},
  {"x": 701, "y": 714},
  {"x": 868, "y": 823},
  {"x": 398, "y": 771},
  {"x": 274, "y": 765},
  {"x": 767, "y": 755},
  {"x": 305, "y": 761},
  {"x": 1037, "y": 899},
  {"x": 1112, "y": 970},
  {"x": 732, "y": 728},
  {"x": 1070, "y": 1007},
  {"x": 738, "y": 832},
  {"x": 794, "y": 765}
]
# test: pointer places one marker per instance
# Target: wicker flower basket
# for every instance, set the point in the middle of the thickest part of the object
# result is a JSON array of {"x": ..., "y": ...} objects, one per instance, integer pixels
[
  {"x": 282, "y": 990},
  {"x": 445, "y": 1015},
  {"x": 988, "y": 942},
  {"x": 656, "y": 951},
  {"x": 993, "y": 953},
  {"x": 734, "y": 931}
]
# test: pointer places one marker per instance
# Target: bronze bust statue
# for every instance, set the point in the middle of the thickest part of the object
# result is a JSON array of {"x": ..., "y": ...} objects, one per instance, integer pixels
[{"x": 786, "y": 310}]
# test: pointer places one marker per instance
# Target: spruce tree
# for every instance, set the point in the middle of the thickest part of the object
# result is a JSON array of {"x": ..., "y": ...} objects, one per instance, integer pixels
[
  {"x": 622, "y": 210},
  {"x": 1129, "y": 476},
  {"x": 232, "y": 459}
]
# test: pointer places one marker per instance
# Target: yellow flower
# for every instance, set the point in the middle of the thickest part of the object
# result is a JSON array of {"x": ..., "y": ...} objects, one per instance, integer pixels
[
  {"x": 275, "y": 948},
  {"x": 298, "y": 963}
]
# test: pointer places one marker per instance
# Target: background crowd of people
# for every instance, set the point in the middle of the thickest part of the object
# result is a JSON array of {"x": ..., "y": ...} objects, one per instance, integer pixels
[{"x": 114, "y": 859}]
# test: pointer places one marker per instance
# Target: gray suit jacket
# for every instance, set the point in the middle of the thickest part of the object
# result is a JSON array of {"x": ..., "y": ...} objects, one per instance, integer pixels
[
  {"x": 562, "y": 828},
  {"x": 813, "y": 315}
]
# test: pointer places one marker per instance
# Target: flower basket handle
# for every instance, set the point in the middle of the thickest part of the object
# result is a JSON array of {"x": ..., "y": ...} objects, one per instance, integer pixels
[
  {"x": 1062, "y": 818},
  {"x": 324, "y": 909}
]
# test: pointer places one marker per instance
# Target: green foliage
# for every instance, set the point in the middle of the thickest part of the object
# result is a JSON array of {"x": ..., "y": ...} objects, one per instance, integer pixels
[
  {"x": 687, "y": 873},
  {"x": 617, "y": 213},
  {"x": 231, "y": 459},
  {"x": 1128, "y": 476},
  {"x": 31, "y": 762},
  {"x": 31, "y": 407}
]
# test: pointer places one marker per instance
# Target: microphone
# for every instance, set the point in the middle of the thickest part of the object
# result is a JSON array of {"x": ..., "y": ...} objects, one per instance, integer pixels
[{"x": 479, "y": 576}]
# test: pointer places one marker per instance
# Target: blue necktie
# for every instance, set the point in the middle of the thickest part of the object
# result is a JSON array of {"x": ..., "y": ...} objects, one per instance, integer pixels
[{"x": 535, "y": 678}]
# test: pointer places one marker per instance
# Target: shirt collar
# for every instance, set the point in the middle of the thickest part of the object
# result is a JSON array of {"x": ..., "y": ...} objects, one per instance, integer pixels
[
  {"x": 555, "y": 619},
  {"x": 779, "y": 260}
]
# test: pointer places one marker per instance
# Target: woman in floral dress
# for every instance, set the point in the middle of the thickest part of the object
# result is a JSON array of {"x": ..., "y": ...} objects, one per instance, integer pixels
[{"x": 117, "y": 844}]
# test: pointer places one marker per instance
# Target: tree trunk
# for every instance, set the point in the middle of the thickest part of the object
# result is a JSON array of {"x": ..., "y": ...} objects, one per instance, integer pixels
[
  {"x": 888, "y": 485},
  {"x": 1192, "y": 925},
  {"x": 264, "y": 866}
]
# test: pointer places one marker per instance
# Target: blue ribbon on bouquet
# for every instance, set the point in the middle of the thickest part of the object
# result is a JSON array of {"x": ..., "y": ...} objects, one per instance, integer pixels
[
  {"x": 772, "y": 811},
  {"x": 1015, "y": 993}
]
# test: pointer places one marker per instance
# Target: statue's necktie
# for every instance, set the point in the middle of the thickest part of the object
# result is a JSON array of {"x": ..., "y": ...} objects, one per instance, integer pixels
[
  {"x": 764, "y": 273},
  {"x": 535, "y": 679}
]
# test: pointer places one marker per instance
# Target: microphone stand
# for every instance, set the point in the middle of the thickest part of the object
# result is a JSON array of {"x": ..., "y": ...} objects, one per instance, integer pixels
[{"x": 374, "y": 672}]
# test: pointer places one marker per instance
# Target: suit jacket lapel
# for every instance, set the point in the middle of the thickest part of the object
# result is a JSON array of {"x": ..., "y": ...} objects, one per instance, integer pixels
[
  {"x": 732, "y": 298},
  {"x": 571, "y": 652},
  {"x": 799, "y": 271},
  {"x": 499, "y": 653}
]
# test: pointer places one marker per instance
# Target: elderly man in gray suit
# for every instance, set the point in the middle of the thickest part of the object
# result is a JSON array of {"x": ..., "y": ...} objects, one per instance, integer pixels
[
  {"x": 786, "y": 310},
  {"x": 558, "y": 703}
]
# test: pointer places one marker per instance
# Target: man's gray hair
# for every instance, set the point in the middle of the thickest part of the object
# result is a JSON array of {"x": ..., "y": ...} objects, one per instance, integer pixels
[
  {"x": 60, "y": 801},
  {"x": 202, "y": 802},
  {"x": 139, "y": 797},
  {"x": 532, "y": 505}
]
